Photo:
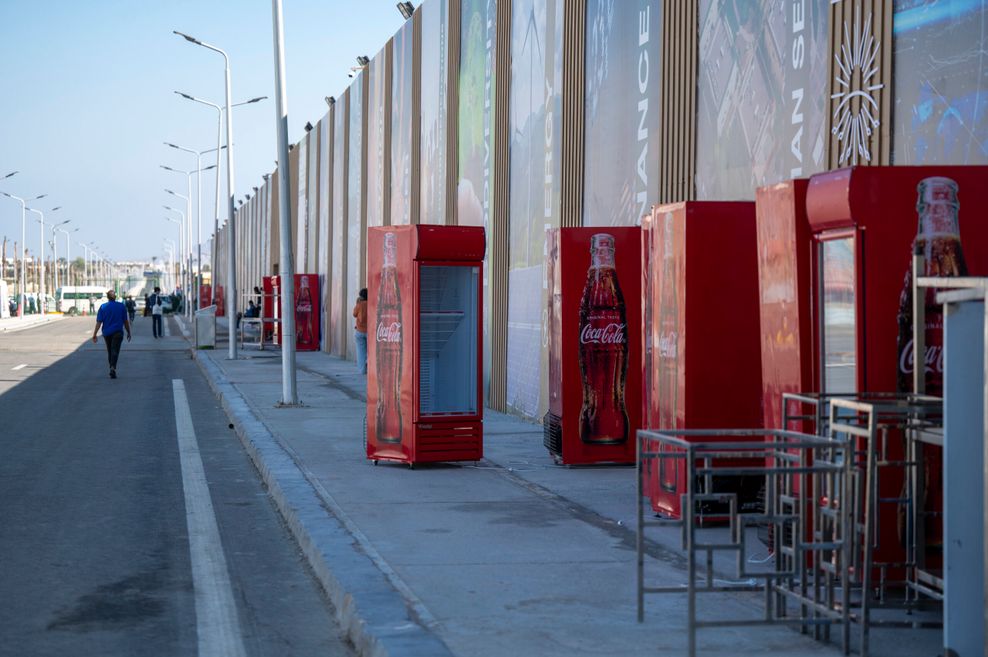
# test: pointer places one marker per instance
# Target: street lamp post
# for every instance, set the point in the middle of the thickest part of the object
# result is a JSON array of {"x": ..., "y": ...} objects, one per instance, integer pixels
[
  {"x": 41, "y": 260},
  {"x": 181, "y": 241},
  {"x": 85, "y": 264},
  {"x": 68, "y": 260},
  {"x": 216, "y": 198},
  {"x": 231, "y": 297},
  {"x": 186, "y": 249},
  {"x": 23, "y": 202},
  {"x": 170, "y": 249},
  {"x": 198, "y": 171},
  {"x": 54, "y": 250}
]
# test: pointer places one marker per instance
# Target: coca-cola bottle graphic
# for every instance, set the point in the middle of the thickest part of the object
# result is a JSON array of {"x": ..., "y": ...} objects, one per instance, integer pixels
[
  {"x": 388, "y": 347},
  {"x": 938, "y": 239},
  {"x": 603, "y": 349},
  {"x": 303, "y": 313}
]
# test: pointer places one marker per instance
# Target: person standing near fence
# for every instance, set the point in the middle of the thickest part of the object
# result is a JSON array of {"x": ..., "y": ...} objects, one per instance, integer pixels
[
  {"x": 360, "y": 330},
  {"x": 112, "y": 317}
]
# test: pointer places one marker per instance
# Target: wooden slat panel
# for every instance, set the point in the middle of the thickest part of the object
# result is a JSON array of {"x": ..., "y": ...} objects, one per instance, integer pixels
[
  {"x": 500, "y": 211},
  {"x": 677, "y": 159},
  {"x": 574, "y": 117},
  {"x": 860, "y": 38},
  {"x": 452, "y": 108}
]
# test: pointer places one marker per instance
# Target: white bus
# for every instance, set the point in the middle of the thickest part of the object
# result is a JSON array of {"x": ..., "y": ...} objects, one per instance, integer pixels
[{"x": 79, "y": 299}]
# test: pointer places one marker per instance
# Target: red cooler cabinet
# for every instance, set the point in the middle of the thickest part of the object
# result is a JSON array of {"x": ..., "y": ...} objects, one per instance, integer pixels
[
  {"x": 306, "y": 304},
  {"x": 863, "y": 224},
  {"x": 424, "y": 361},
  {"x": 205, "y": 295},
  {"x": 220, "y": 300},
  {"x": 701, "y": 366},
  {"x": 594, "y": 344}
]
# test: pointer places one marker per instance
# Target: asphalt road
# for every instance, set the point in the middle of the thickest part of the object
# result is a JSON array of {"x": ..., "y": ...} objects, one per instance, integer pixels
[{"x": 98, "y": 553}]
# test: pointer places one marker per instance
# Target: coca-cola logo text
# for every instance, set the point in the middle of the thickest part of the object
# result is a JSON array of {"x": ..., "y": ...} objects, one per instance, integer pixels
[
  {"x": 389, "y": 332},
  {"x": 612, "y": 333},
  {"x": 933, "y": 360}
]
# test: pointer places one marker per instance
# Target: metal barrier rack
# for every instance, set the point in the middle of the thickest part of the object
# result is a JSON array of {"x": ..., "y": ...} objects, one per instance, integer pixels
[
  {"x": 872, "y": 422},
  {"x": 792, "y": 464},
  {"x": 266, "y": 327}
]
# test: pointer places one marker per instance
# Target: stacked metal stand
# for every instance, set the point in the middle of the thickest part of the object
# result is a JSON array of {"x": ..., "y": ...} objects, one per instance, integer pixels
[{"x": 821, "y": 511}]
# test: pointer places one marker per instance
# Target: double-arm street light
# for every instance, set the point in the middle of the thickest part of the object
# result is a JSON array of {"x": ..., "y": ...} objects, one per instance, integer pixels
[
  {"x": 181, "y": 242},
  {"x": 41, "y": 259},
  {"x": 188, "y": 175},
  {"x": 54, "y": 250},
  {"x": 231, "y": 294},
  {"x": 216, "y": 205},
  {"x": 200, "y": 169},
  {"x": 23, "y": 202}
]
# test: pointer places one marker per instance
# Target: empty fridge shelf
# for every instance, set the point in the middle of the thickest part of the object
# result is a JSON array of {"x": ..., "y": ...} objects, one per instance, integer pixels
[{"x": 436, "y": 329}]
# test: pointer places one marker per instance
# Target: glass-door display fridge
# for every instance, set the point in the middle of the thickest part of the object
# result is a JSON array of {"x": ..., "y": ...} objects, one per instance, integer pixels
[
  {"x": 864, "y": 224},
  {"x": 307, "y": 310},
  {"x": 701, "y": 367},
  {"x": 424, "y": 392}
]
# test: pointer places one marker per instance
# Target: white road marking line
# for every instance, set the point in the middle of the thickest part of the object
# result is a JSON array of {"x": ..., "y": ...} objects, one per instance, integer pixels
[
  {"x": 166, "y": 325},
  {"x": 19, "y": 367},
  {"x": 216, "y": 613}
]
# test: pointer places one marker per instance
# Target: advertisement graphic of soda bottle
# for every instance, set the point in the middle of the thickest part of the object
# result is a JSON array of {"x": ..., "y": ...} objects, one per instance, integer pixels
[
  {"x": 388, "y": 345},
  {"x": 303, "y": 313},
  {"x": 603, "y": 349},
  {"x": 938, "y": 239}
]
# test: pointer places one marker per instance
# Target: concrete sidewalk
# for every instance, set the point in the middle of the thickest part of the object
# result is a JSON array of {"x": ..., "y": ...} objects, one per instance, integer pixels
[
  {"x": 509, "y": 556},
  {"x": 12, "y": 324}
]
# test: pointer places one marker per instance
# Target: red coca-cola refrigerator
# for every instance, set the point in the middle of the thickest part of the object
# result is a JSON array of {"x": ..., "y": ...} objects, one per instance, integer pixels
[
  {"x": 700, "y": 365},
  {"x": 594, "y": 344},
  {"x": 424, "y": 361},
  {"x": 220, "y": 300},
  {"x": 205, "y": 295},
  {"x": 306, "y": 304},
  {"x": 864, "y": 223}
]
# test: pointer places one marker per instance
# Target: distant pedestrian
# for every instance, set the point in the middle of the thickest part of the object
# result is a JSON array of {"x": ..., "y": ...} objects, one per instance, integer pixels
[
  {"x": 157, "y": 311},
  {"x": 147, "y": 306},
  {"x": 112, "y": 316},
  {"x": 131, "y": 308},
  {"x": 360, "y": 330}
]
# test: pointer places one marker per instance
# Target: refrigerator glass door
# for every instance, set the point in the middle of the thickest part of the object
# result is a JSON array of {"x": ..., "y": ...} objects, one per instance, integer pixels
[
  {"x": 839, "y": 321},
  {"x": 448, "y": 339}
]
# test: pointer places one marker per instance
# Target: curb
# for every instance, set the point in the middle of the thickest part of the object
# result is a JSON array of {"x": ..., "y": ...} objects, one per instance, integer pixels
[{"x": 382, "y": 623}]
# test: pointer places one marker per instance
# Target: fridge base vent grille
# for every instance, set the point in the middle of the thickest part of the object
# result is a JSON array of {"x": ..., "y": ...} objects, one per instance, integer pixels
[
  {"x": 552, "y": 433},
  {"x": 452, "y": 441}
]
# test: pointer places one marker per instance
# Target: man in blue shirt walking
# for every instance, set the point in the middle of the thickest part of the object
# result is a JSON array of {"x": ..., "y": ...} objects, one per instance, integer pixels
[{"x": 112, "y": 316}]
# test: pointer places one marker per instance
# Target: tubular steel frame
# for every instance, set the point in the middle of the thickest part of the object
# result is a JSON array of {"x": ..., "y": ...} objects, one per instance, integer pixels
[{"x": 789, "y": 460}]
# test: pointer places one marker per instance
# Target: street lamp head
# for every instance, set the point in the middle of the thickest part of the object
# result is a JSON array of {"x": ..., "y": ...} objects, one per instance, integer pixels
[
  {"x": 188, "y": 38},
  {"x": 40, "y": 196},
  {"x": 255, "y": 100},
  {"x": 186, "y": 96},
  {"x": 211, "y": 166},
  {"x": 57, "y": 207},
  {"x": 167, "y": 169},
  {"x": 170, "y": 144},
  {"x": 171, "y": 192},
  {"x": 12, "y": 173}
]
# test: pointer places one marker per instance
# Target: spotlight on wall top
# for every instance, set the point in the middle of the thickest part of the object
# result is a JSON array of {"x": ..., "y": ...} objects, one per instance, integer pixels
[
  {"x": 308, "y": 126},
  {"x": 363, "y": 60},
  {"x": 330, "y": 100},
  {"x": 406, "y": 9}
]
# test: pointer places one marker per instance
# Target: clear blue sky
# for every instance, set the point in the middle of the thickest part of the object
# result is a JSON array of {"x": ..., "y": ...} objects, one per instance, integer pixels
[{"x": 87, "y": 102}]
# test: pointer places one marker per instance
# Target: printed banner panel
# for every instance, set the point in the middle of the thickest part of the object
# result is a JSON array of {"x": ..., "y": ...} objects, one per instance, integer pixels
[
  {"x": 941, "y": 84},
  {"x": 535, "y": 129},
  {"x": 301, "y": 208},
  {"x": 355, "y": 218},
  {"x": 325, "y": 236},
  {"x": 336, "y": 314},
  {"x": 376, "y": 101},
  {"x": 401, "y": 125},
  {"x": 623, "y": 97},
  {"x": 761, "y": 101},
  {"x": 474, "y": 191},
  {"x": 435, "y": 21}
]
